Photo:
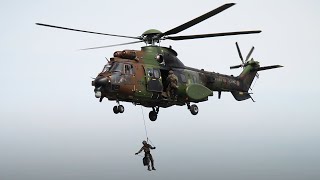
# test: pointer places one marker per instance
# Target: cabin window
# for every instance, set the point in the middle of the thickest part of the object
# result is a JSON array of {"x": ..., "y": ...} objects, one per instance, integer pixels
[
  {"x": 194, "y": 78},
  {"x": 150, "y": 72},
  {"x": 128, "y": 69},
  {"x": 183, "y": 78},
  {"x": 156, "y": 73}
]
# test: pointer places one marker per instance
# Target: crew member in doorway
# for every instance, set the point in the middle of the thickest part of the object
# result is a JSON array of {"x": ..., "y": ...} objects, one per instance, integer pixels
[
  {"x": 147, "y": 155},
  {"x": 172, "y": 87}
]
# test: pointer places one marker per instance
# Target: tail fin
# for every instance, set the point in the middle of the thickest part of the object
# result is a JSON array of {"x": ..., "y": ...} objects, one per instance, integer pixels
[{"x": 247, "y": 76}]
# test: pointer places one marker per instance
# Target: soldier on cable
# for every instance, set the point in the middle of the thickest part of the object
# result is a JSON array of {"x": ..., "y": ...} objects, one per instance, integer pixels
[
  {"x": 147, "y": 155},
  {"x": 172, "y": 87}
]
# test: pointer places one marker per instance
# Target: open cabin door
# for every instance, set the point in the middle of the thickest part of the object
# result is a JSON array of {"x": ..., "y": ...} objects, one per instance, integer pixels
[{"x": 153, "y": 79}]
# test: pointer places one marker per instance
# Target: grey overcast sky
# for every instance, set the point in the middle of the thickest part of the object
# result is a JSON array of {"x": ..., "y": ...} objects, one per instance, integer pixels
[{"x": 52, "y": 126}]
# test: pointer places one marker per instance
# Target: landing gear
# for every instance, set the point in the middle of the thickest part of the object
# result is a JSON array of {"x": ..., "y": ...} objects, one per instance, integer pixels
[
  {"x": 115, "y": 109},
  {"x": 193, "y": 109},
  {"x": 154, "y": 113},
  {"x": 118, "y": 109}
]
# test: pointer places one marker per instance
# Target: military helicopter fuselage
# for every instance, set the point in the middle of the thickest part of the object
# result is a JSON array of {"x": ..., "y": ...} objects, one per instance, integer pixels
[{"x": 141, "y": 76}]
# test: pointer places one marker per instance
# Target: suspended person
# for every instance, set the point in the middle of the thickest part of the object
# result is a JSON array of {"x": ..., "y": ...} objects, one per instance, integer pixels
[
  {"x": 147, "y": 155},
  {"x": 172, "y": 87}
]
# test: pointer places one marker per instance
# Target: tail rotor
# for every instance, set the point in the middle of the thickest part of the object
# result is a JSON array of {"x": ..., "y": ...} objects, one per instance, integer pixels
[
  {"x": 246, "y": 62},
  {"x": 239, "y": 52},
  {"x": 249, "y": 73}
]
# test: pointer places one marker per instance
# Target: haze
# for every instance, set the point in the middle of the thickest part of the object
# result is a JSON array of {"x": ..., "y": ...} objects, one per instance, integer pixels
[{"x": 52, "y": 126}]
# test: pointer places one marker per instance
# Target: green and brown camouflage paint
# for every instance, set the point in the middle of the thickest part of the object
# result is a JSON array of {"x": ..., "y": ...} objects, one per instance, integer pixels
[{"x": 143, "y": 88}]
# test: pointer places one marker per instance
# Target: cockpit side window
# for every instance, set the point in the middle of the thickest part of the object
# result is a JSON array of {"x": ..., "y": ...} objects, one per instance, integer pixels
[{"x": 128, "y": 69}]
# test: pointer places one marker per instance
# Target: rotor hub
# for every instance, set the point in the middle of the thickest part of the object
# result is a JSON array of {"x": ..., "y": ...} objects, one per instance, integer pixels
[
  {"x": 151, "y": 36},
  {"x": 151, "y": 32}
]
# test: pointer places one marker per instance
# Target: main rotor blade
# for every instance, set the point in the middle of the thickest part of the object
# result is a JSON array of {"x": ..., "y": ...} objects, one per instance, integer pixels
[
  {"x": 198, "y": 36},
  {"x": 134, "y": 42},
  {"x": 249, "y": 54},
  {"x": 197, "y": 20},
  {"x": 239, "y": 52},
  {"x": 70, "y": 29}
]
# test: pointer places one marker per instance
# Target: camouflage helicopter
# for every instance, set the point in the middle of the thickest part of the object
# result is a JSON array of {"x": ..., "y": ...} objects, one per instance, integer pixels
[{"x": 140, "y": 76}]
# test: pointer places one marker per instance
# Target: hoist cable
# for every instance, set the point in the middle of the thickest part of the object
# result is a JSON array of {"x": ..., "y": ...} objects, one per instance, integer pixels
[
  {"x": 145, "y": 127},
  {"x": 144, "y": 121}
]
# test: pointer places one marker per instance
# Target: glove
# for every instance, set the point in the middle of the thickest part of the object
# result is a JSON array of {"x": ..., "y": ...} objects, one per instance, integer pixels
[
  {"x": 154, "y": 147},
  {"x": 136, "y": 153}
]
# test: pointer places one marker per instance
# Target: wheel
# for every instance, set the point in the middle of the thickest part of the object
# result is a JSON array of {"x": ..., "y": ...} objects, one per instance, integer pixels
[
  {"x": 194, "y": 109},
  {"x": 115, "y": 109},
  {"x": 120, "y": 109},
  {"x": 153, "y": 115}
]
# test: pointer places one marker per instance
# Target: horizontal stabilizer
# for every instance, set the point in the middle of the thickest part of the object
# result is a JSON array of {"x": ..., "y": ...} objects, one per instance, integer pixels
[
  {"x": 267, "y": 67},
  {"x": 235, "y": 67},
  {"x": 240, "y": 96},
  {"x": 198, "y": 92}
]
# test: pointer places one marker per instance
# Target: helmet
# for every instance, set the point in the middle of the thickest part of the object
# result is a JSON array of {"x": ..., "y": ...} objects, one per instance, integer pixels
[
  {"x": 144, "y": 142},
  {"x": 170, "y": 72}
]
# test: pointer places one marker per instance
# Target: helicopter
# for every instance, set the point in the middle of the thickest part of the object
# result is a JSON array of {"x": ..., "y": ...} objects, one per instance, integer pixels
[{"x": 140, "y": 76}]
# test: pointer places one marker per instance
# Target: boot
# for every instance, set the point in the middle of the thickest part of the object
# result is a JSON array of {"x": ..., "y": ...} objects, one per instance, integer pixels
[
  {"x": 149, "y": 168},
  {"x": 153, "y": 168}
]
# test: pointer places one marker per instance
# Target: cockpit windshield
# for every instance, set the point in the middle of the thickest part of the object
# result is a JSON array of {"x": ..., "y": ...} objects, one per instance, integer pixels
[
  {"x": 106, "y": 67},
  {"x": 116, "y": 67},
  {"x": 113, "y": 67}
]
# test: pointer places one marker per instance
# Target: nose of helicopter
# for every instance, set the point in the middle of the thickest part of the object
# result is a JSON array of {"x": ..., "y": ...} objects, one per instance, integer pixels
[{"x": 100, "y": 81}]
